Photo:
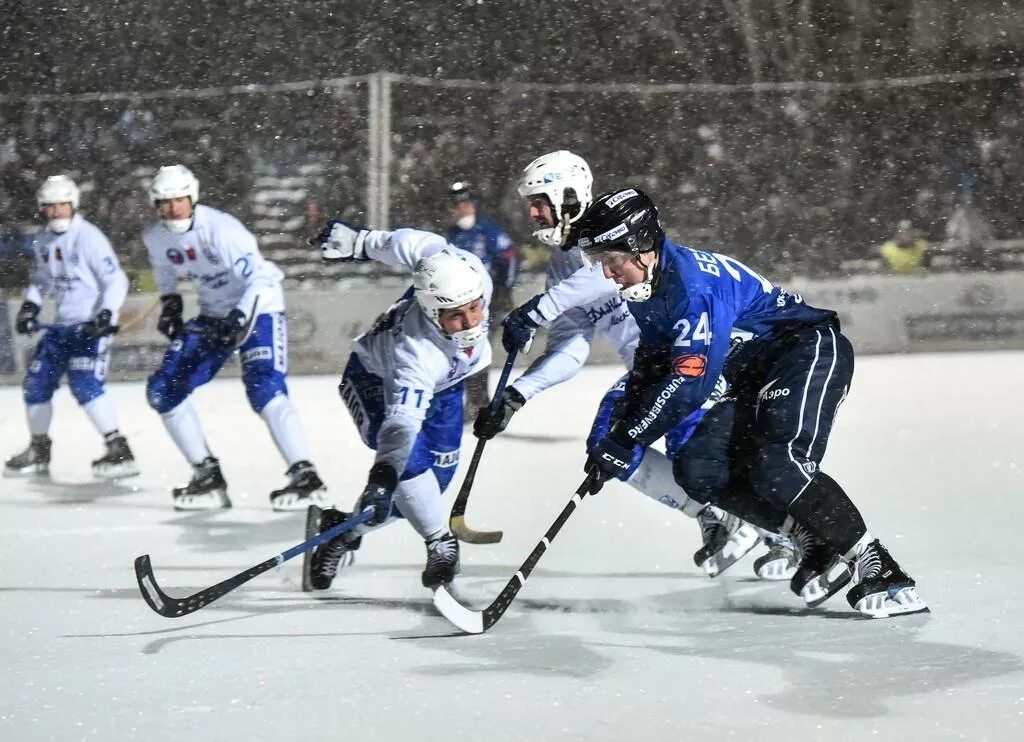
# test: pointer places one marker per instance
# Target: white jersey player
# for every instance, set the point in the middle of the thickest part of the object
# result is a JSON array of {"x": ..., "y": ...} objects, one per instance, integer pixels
[
  {"x": 403, "y": 386},
  {"x": 240, "y": 306},
  {"x": 76, "y": 264},
  {"x": 578, "y": 304}
]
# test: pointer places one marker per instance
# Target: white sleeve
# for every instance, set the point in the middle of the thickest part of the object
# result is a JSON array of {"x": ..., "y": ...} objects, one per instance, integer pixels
[
  {"x": 565, "y": 352},
  {"x": 40, "y": 282},
  {"x": 165, "y": 274},
  {"x": 403, "y": 247},
  {"x": 407, "y": 395},
  {"x": 111, "y": 278},
  {"x": 582, "y": 287}
]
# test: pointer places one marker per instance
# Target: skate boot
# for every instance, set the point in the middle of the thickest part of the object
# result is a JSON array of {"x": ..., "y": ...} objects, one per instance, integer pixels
[
  {"x": 34, "y": 460},
  {"x": 727, "y": 539},
  {"x": 320, "y": 565},
  {"x": 442, "y": 561},
  {"x": 780, "y": 561},
  {"x": 118, "y": 461},
  {"x": 880, "y": 588},
  {"x": 303, "y": 489},
  {"x": 820, "y": 571},
  {"x": 206, "y": 491}
]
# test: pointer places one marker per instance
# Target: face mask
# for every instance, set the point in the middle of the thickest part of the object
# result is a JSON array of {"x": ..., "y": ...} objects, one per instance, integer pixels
[
  {"x": 178, "y": 226},
  {"x": 466, "y": 339},
  {"x": 466, "y": 222},
  {"x": 59, "y": 226}
]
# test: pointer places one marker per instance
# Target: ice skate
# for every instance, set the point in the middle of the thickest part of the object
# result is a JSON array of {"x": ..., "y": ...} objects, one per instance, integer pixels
[
  {"x": 442, "y": 561},
  {"x": 880, "y": 588},
  {"x": 304, "y": 488},
  {"x": 117, "y": 462},
  {"x": 321, "y": 565},
  {"x": 780, "y": 561},
  {"x": 206, "y": 491},
  {"x": 820, "y": 571},
  {"x": 727, "y": 539},
  {"x": 33, "y": 461}
]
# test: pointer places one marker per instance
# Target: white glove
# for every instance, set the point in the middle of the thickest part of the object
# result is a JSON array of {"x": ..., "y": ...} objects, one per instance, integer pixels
[{"x": 341, "y": 242}]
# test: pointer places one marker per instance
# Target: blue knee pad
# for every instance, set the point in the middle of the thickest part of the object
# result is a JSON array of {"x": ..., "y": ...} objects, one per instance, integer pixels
[
  {"x": 48, "y": 364},
  {"x": 163, "y": 394},
  {"x": 84, "y": 384},
  {"x": 265, "y": 360}
]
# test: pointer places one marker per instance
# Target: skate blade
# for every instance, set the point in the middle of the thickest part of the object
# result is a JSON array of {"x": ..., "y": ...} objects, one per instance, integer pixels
[
  {"x": 292, "y": 501},
  {"x": 738, "y": 546},
  {"x": 216, "y": 500},
  {"x": 777, "y": 569},
  {"x": 823, "y": 587},
  {"x": 35, "y": 470},
  {"x": 312, "y": 529},
  {"x": 116, "y": 471},
  {"x": 903, "y": 602}
]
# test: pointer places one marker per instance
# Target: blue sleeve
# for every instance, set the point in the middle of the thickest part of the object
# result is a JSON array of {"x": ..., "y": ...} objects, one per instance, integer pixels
[{"x": 694, "y": 363}]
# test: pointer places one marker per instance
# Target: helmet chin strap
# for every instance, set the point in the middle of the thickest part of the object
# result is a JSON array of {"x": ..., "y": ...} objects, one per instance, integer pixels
[
  {"x": 642, "y": 291},
  {"x": 178, "y": 226},
  {"x": 470, "y": 338}
]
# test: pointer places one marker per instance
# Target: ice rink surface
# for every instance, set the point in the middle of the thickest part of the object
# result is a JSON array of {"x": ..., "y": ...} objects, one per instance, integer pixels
[{"x": 615, "y": 637}]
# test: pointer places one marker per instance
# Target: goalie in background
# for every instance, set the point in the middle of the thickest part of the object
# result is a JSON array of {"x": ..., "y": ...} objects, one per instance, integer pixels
[
  {"x": 241, "y": 306},
  {"x": 75, "y": 262},
  {"x": 403, "y": 386}
]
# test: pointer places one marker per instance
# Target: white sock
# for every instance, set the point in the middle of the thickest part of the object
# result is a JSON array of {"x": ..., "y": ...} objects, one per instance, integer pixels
[
  {"x": 286, "y": 429},
  {"x": 39, "y": 417},
  {"x": 183, "y": 424},
  {"x": 654, "y": 478},
  {"x": 102, "y": 413},
  {"x": 420, "y": 501}
]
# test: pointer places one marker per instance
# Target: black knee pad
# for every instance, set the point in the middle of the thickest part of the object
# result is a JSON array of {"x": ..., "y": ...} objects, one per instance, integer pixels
[{"x": 826, "y": 510}]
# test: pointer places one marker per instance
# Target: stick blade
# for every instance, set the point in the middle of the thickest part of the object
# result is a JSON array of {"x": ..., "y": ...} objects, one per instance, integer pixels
[
  {"x": 151, "y": 592},
  {"x": 457, "y": 525},
  {"x": 465, "y": 619}
]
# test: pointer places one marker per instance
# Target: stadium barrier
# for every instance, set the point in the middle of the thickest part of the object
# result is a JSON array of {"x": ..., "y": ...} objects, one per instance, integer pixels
[{"x": 880, "y": 314}]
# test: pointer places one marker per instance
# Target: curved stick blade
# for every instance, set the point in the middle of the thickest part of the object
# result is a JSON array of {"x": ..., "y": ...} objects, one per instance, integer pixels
[{"x": 457, "y": 525}]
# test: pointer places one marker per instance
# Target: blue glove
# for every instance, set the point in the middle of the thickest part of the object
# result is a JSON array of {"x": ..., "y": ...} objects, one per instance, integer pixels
[
  {"x": 26, "y": 323},
  {"x": 611, "y": 457},
  {"x": 518, "y": 327},
  {"x": 341, "y": 242},
  {"x": 100, "y": 326},
  {"x": 380, "y": 487},
  {"x": 226, "y": 332}
]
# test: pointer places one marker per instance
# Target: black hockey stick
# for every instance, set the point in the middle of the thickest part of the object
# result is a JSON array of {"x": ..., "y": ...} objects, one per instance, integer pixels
[
  {"x": 477, "y": 622},
  {"x": 457, "y": 517},
  {"x": 170, "y": 607}
]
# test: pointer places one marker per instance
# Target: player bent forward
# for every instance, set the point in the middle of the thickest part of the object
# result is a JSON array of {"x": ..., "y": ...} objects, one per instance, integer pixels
[
  {"x": 73, "y": 260},
  {"x": 403, "y": 386},
  {"x": 240, "y": 306},
  {"x": 789, "y": 367}
]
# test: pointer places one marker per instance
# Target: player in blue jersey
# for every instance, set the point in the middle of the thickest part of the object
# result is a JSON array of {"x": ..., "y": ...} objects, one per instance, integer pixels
[
  {"x": 758, "y": 452},
  {"x": 476, "y": 233}
]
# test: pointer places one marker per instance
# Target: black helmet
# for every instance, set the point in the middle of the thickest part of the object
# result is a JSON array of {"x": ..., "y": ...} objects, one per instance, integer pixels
[
  {"x": 460, "y": 191},
  {"x": 623, "y": 220}
]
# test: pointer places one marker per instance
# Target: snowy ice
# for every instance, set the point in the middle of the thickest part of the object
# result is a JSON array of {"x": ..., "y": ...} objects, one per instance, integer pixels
[{"x": 616, "y": 636}]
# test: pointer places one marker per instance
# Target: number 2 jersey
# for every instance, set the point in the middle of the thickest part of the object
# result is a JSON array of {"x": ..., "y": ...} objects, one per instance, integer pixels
[
  {"x": 710, "y": 315},
  {"x": 223, "y": 260},
  {"x": 80, "y": 268},
  {"x": 409, "y": 353}
]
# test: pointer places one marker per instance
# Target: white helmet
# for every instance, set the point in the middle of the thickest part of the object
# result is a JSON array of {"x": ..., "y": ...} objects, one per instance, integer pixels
[
  {"x": 58, "y": 189},
  {"x": 554, "y": 175},
  {"x": 446, "y": 280},
  {"x": 174, "y": 181}
]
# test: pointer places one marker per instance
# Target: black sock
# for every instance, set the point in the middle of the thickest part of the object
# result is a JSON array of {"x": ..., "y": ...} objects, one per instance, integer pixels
[{"x": 825, "y": 510}]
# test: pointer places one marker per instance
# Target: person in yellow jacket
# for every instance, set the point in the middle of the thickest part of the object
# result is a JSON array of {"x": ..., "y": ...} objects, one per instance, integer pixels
[{"x": 906, "y": 252}]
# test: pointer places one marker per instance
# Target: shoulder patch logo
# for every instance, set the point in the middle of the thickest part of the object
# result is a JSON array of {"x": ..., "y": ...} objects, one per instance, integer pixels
[{"x": 690, "y": 365}]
